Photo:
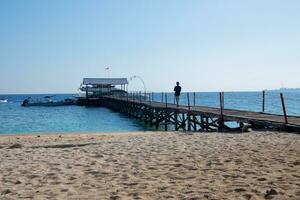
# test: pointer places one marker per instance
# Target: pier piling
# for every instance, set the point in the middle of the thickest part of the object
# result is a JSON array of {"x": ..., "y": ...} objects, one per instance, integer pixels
[{"x": 283, "y": 109}]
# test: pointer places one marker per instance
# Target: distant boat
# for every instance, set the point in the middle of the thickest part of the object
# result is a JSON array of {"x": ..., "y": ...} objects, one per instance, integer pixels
[
  {"x": 3, "y": 100},
  {"x": 48, "y": 102}
]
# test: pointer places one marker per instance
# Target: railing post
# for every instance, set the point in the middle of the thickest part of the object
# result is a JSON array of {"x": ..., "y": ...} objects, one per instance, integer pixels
[
  {"x": 223, "y": 101},
  {"x": 263, "y": 100},
  {"x": 166, "y": 113},
  {"x": 194, "y": 98},
  {"x": 174, "y": 99},
  {"x": 221, "y": 120},
  {"x": 166, "y": 100},
  {"x": 188, "y": 100},
  {"x": 283, "y": 109},
  {"x": 152, "y": 94},
  {"x": 150, "y": 111},
  {"x": 221, "y": 104},
  {"x": 162, "y": 97},
  {"x": 140, "y": 96}
]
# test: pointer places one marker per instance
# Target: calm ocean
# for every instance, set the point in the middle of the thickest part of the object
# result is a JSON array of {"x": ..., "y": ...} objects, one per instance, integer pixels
[{"x": 15, "y": 119}]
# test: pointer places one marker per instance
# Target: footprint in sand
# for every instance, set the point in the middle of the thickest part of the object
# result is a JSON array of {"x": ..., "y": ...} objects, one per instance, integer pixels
[
  {"x": 248, "y": 196},
  {"x": 296, "y": 163},
  {"x": 72, "y": 178},
  {"x": 240, "y": 190},
  {"x": 261, "y": 179},
  {"x": 64, "y": 190}
]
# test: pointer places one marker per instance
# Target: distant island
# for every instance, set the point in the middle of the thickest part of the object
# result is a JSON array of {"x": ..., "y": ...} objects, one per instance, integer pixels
[{"x": 286, "y": 90}]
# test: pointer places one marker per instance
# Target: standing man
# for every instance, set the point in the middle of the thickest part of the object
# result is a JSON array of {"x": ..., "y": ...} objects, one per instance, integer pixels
[{"x": 177, "y": 91}]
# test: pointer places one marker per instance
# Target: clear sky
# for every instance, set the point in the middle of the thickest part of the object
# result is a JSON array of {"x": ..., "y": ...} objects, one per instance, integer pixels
[{"x": 208, "y": 45}]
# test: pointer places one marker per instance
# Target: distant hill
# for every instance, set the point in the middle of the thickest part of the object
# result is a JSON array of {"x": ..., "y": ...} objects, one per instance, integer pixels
[{"x": 286, "y": 90}]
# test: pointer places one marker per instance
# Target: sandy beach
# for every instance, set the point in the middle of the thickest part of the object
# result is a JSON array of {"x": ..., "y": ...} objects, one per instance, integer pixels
[{"x": 150, "y": 165}]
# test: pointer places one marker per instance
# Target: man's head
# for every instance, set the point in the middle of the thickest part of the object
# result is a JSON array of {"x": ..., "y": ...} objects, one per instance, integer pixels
[{"x": 177, "y": 83}]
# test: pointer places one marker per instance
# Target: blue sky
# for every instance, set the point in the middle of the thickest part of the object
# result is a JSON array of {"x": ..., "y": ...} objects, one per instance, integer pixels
[{"x": 233, "y": 45}]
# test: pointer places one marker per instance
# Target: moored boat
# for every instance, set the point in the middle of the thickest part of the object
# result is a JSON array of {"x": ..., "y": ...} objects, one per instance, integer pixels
[
  {"x": 3, "y": 100},
  {"x": 48, "y": 102}
]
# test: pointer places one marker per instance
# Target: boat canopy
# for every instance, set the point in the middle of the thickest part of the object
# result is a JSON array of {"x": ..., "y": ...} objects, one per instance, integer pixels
[{"x": 105, "y": 81}]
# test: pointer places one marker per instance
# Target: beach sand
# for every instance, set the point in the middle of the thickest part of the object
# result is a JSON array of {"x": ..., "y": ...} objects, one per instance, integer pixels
[{"x": 151, "y": 165}]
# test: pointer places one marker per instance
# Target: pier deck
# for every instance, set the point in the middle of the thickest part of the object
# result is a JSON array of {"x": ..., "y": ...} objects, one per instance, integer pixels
[{"x": 196, "y": 118}]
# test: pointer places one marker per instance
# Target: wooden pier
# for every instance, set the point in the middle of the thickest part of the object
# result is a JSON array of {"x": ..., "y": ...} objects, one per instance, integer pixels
[{"x": 196, "y": 118}]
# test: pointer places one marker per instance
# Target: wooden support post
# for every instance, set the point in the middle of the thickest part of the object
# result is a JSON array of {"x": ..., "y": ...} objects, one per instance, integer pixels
[
  {"x": 162, "y": 97},
  {"x": 189, "y": 112},
  {"x": 150, "y": 113},
  {"x": 263, "y": 101},
  {"x": 151, "y": 119},
  {"x": 140, "y": 106},
  {"x": 202, "y": 122},
  {"x": 283, "y": 109},
  {"x": 195, "y": 123},
  {"x": 207, "y": 123},
  {"x": 157, "y": 118},
  {"x": 176, "y": 120},
  {"x": 183, "y": 122},
  {"x": 145, "y": 114},
  {"x": 166, "y": 113}
]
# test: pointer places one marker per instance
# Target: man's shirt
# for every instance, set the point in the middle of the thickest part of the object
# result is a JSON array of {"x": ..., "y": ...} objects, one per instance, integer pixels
[{"x": 177, "y": 90}]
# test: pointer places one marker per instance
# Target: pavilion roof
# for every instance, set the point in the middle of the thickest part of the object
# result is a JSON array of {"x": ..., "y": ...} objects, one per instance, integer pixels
[{"x": 105, "y": 81}]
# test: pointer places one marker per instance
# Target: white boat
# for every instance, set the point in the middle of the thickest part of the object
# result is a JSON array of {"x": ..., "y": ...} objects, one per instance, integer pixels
[{"x": 2, "y": 100}]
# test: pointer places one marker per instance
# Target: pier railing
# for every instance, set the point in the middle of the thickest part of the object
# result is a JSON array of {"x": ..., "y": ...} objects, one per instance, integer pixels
[
  {"x": 160, "y": 109},
  {"x": 275, "y": 104}
]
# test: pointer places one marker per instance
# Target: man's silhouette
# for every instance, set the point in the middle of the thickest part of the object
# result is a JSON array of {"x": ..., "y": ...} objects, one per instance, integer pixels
[{"x": 177, "y": 91}]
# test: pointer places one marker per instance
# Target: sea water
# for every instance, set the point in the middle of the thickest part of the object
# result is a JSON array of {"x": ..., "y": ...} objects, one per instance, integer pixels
[{"x": 16, "y": 119}]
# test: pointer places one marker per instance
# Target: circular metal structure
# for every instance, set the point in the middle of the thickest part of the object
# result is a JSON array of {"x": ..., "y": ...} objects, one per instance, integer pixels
[{"x": 139, "y": 78}]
